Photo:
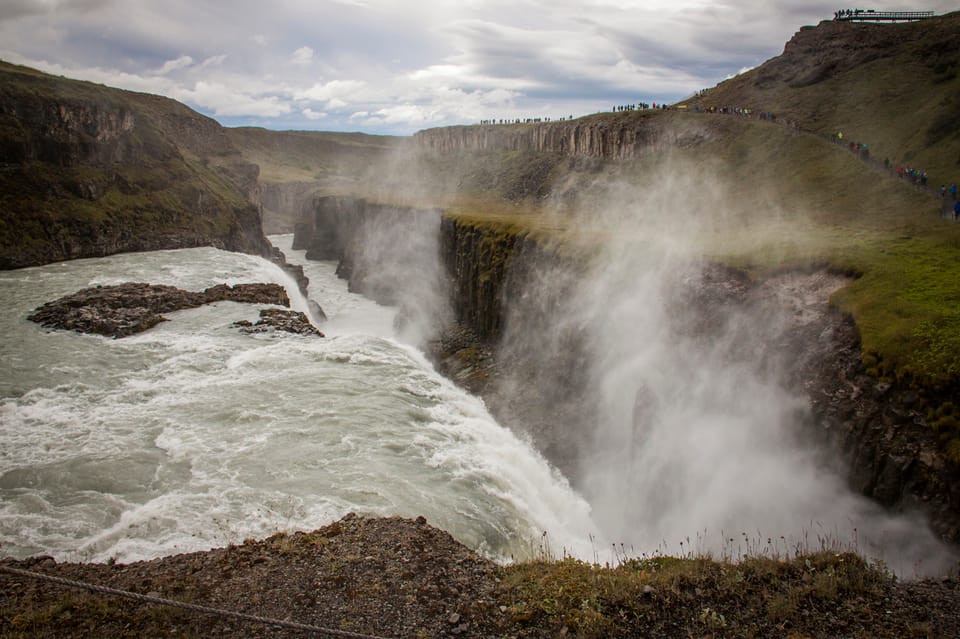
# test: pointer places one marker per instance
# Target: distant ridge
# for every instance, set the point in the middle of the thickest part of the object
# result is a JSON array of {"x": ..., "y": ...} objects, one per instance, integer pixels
[{"x": 895, "y": 86}]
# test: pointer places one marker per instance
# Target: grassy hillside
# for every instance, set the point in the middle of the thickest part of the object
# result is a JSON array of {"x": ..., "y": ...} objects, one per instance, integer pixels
[
  {"x": 310, "y": 156},
  {"x": 296, "y": 166},
  {"x": 89, "y": 170},
  {"x": 895, "y": 87}
]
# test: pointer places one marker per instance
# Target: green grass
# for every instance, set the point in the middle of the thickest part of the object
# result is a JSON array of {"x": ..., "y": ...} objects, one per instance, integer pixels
[{"x": 706, "y": 597}]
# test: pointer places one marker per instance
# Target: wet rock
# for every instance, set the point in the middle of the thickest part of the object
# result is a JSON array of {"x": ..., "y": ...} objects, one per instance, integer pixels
[
  {"x": 293, "y": 270},
  {"x": 247, "y": 293},
  {"x": 280, "y": 320},
  {"x": 133, "y": 307}
]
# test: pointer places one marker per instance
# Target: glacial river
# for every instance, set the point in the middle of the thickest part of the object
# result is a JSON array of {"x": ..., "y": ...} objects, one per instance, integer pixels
[{"x": 194, "y": 435}]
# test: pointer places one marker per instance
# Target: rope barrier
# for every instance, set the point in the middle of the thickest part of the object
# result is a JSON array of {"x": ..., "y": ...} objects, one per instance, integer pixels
[{"x": 185, "y": 606}]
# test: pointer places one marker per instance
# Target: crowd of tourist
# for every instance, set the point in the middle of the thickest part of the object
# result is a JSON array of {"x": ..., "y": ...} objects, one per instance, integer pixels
[
  {"x": 914, "y": 175},
  {"x": 639, "y": 106},
  {"x": 860, "y": 149},
  {"x": 768, "y": 116},
  {"x": 524, "y": 120}
]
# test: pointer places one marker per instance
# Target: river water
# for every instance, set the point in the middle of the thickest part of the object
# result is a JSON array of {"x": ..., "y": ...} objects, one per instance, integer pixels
[{"x": 193, "y": 435}]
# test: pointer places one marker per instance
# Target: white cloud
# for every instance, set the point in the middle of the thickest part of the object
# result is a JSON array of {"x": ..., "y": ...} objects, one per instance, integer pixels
[
  {"x": 444, "y": 71},
  {"x": 302, "y": 56},
  {"x": 173, "y": 65},
  {"x": 214, "y": 61},
  {"x": 225, "y": 100},
  {"x": 259, "y": 38},
  {"x": 330, "y": 90},
  {"x": 310, "y": 114}
]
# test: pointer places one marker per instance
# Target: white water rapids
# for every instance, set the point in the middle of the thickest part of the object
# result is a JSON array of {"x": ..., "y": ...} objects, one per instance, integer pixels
[{"x": 193, "y": 435}]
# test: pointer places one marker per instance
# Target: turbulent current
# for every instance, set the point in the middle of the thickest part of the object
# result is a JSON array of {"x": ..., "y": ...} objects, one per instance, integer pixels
[{"x": 194, "y": 435}]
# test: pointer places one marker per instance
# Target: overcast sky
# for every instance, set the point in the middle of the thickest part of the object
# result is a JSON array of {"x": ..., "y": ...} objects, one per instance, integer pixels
[{"x": 385, "y": 66}]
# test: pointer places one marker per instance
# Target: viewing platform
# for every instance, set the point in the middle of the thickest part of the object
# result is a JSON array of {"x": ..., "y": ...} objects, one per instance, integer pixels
[{"x": 870, "y": 15}]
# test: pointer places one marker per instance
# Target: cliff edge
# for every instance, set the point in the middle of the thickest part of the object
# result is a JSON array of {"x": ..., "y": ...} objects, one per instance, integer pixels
[{"x": 87, "y": 170}]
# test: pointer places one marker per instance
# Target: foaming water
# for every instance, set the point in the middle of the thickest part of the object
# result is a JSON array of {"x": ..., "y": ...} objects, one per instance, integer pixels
[{"x": 193, "y": 435}]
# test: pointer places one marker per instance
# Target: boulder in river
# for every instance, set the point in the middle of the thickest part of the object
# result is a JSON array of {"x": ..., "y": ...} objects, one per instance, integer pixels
[
  {"x": 281, "y": 320},
  {"x": 133, "y": 307}
]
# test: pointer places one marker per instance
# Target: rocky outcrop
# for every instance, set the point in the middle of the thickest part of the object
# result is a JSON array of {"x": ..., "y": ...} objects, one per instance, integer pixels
[
  {"x": 276, "y": 319},
  {"x": 879, "y": 72},
  {"x": 815, "y": 54},
  {"x": 293, "y": 270},
  {"x": 91, "y": 171},
  {"x": 126, "y": 309},
  {"x": 887, "y": 443}
]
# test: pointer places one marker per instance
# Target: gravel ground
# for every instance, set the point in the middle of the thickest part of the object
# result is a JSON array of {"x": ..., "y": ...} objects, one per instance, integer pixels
[{"x": 403, "y": 578}]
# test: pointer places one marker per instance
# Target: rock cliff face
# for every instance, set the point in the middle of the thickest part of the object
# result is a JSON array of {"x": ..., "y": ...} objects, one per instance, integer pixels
[
  {"x": 89, "y": 171},
  {"x": 815, "y": 54},
  {"x": 388, "y": 253},
  {"x": 478, "y": 261},
  {"x": 615, "y": 136},
  {"x": 285, "y": 203}
]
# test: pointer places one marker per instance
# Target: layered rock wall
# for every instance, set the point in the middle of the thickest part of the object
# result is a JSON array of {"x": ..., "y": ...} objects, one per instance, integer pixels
[
  {"x": 616, "y": 136},
  {"x": 479, "y": 260}
]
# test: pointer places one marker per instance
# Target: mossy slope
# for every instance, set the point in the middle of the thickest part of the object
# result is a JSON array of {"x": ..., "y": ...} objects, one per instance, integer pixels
[
  {"x": 89, "y": 170},
  {"x": 895, "y": 87}
]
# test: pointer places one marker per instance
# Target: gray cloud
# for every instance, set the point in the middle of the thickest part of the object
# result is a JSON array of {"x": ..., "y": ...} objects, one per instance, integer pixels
[
  {"x": 398, "y": 68},
  {"x": 12, "y": 9}
]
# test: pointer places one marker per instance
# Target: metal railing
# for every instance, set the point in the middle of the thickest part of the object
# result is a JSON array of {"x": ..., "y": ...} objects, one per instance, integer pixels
[{"x": 870, "y": 15}]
